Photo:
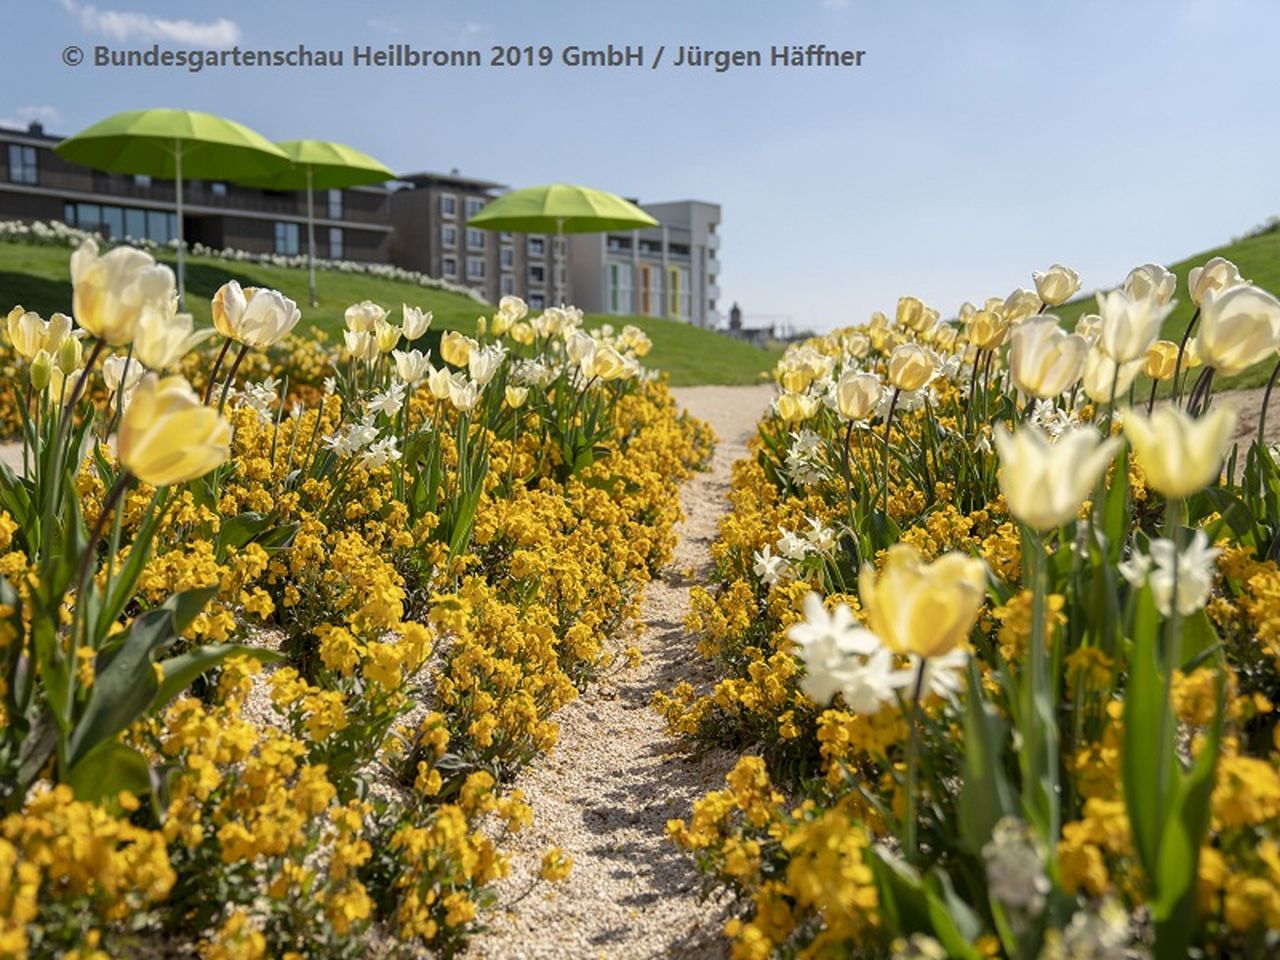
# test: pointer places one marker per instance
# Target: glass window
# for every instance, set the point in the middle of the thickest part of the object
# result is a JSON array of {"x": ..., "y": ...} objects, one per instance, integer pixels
[
  {"x": 335, "y": 204},
  {"x": 508, "y": 284},
  {"x": 22, "y": 164},
  {"x": 475, "y": 239},
  {"x": 449, "y": 266},
  {"x": 448, "y": 235},
  {"x": 474, "y": 206},
  {"x": 448, "y": 205},
  {"x": 508, "y": 256},
  {"x": 157, "y": 226},
  {"x": 142, "y": 179},
  {"x": 287, "y": 238},
  {"x": 88, "y": 216},
  {"x": 113, "y": 222},
  {"x": 619, "y": 288},
  {"x": 537, "y": 246},
  {"x": 673, "y": 292},
  {"x": 135, "y": 224},
  {"x": 537, "y": 273},
  {"x": 537, "y": 301},
  {"x": 475, "y": 268},
  {"x": 335, "y": 243},
  {"x": 69, "y": 214},
  {"x": 218, "y": 188}
]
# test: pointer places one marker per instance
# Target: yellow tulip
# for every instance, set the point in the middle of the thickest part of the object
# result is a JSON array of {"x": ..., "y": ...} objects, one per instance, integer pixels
[
  {"x": 1056, "y": 285},
  {"x": 987, "y": 329},
  {"x": 1162, "y": 358},
  {"x": 387, "y": 336},
  {"x": 797, "y": 379},
  {"x": 110, "y": 292},
  {"x": 455, "y": 348},
  {"x": 516, "y": 396},
  {"x": 1180, "y": 455},
  {"x": 162, "y": 339},
  {"x": 1045, "y": 482},
  {"x": 608, "y": 364},
  {"x": 858, "y": 395},
  {"x": 911, "y": 313},
  {"x": 1021, "y": 305},
  {"x": 922, "y": 609},
  {"x": 522, "y": 333},
  {"x": 168, "y": 436},
  {"x": 794, "y": 407},
  {"x": 910, "y": 367}
]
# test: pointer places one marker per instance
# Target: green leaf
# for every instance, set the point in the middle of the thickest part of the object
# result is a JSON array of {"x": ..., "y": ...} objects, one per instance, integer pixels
[
  {"x": 180, "y": 671},
  {"x": 186, "y": 606},
  {"x": 1144, "y": 753},
  {"x": 238, "y": 531},
  {"x": 909, "y": 905},
  {"x": 108, "y": 769},
  {"x": 985, "y": 794}
]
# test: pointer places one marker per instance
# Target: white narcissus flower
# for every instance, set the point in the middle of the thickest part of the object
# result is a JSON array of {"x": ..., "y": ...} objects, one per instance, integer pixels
[
  {"x": 1180, "y": 455},
  {"x": 791, "y": 545},
  {"x": 1130, "y": 325},
  {"x": 1045, "y": 360},
  {"x": 827, "y": 642},
  {"x": 1150, "y": 280},
  {"x": 769, "y": 567},
  {"x": 1193, "y": 570},
  {"x": 1217, "y": 276},
  {"x": 390, "y": 401},
  {"x": 1238, "y": 327},
  {"x": 1045, "y": 483},
  {"x": 1056, "y": 285},
  {"x": 1104, "y": 381},
  {"x": 943, "y": 675}
]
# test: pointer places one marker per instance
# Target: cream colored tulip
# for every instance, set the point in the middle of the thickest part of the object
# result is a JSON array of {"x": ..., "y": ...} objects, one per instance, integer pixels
[
  {"x": 483, "y": 364},
  {"x": 412, "y": 366},
  {"x": 1106, "y": 382},
  {"x": 439, "y": 382},
  {"x": 110, "y": 292},
  {"x": 1238, "y": 327},
  {"x": 1161, "y": 360},
  {"x": 168, "y": 436},
  {"x": 1130, "y": 324},
  {"x": 607, "y": 364},
  {"x": 415, "y": 322},
  {"x": 1089, "y": 326},
  {"x": 1045, "y": 360},
  {"x": 464, "y": 396},
  {"x": 1178, "y": 454},
  {"x": 636, "y": 340},
  {"x": 360, "y": 345},
  {"x": 254, "y": 316},
  {"x": 121, "y": 373},
  {"x": 911, "y": 313},
  {"x": 522, "y": 333},
  {"x": 362, "y": 317},
  {"x": 1056, "y": 285},
  {"x": 1044, "y": 482},
  {"x": 1218, "y": 275},
  {"x": 513, "y": 308},
  {"x": 796, "y": 380},
  {"x": 858, "y": 395},
  {"x": 794, "y": 407},
  {"x": 1150, "y": 280},
  {"x": 27, "y": 333},
  {"x": 857, "y": 345},
  {"x": 162, "y": 340},
  {"x": 922, "y": 609},
  {"x": 516, "y": 396},
  {"x": 1021, "y": 305},
  {"x": 910, "y": 367},
  {"x": 455, "y": 348},
  {"x": 987, "y": 329}
]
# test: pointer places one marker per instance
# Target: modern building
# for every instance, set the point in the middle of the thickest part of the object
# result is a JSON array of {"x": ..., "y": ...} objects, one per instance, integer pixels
[
  {"x": 37, "y": 184},
  {"x": 671, "y": 270},
  {"x": 429, "y": 212}
]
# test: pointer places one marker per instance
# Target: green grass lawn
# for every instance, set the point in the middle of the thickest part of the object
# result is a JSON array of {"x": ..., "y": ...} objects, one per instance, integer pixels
[
  {"x": 1259, "y": 261},
  {"x": 38, "y": 277}
]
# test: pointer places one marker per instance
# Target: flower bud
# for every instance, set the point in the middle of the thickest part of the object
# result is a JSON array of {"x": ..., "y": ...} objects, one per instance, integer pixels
[{"x": 41, "y": 370}]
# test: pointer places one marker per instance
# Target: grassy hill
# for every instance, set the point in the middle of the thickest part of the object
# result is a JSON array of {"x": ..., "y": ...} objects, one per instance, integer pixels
[
  {"x": 38, "y": 277},
  {"x": 1259, "y": 261}
]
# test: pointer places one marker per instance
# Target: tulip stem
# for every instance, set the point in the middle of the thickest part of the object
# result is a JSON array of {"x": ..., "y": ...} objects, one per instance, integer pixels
[
  {"x": 217, "y": 365},
  {"x": 78, "y": 390},
  {"x": 915, "y": 718},
  {"x": 1266, "y": 401},
  {"x": 888, "y": 425},
  {"x": 1151, "y": 400},
  {"x": 231, "y": 376},
  {"x": 95, "y": 536},
  {"x": 1182, "y": 349}
]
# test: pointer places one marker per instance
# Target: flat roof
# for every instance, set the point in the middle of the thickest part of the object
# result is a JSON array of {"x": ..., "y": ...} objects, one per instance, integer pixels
[{"x": 455, "y": 179}]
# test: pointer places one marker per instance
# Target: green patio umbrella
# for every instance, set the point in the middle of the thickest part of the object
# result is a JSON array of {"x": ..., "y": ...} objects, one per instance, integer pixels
[
  {"x": 561, "y": 208},
  {"x": 171, "y": 144},
  {"x": 323, "y": 165}
]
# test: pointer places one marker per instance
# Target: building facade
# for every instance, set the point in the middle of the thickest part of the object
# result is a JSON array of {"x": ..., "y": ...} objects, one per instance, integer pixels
[
  {"x": 37, "y": 184},
  {"x": 429, "y": 212},
  {"x": 671, "y": 270}
]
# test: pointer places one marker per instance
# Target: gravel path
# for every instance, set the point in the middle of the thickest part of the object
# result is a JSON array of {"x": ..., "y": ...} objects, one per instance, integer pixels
[{"x": 607, "y": 790}]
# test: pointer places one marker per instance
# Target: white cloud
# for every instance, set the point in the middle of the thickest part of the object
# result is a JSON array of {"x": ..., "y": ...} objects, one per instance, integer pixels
[
  {"x": 122, "y": 25},
  {"x": 22, "y": 116},
  {"x": 384, "y": 26}
]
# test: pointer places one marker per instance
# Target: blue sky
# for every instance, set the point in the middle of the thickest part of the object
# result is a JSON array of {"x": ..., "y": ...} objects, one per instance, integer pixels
[{"x": 979, "y": 140}]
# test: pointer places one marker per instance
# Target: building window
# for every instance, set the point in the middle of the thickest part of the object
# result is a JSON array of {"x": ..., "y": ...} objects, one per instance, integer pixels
[
  {"x": 507, "y": 285},
  {"x": 475, "y": 268},
  {"x": 448, "y": 235},
  {"x": 448, "y": 205},
  {"x": 335, "y": 204},
  {"x": 507, "y": 257},
  {"x": 449, "y": 266},
  {"x": 142, "y": 179},
  {"x": 475, "y": 239},
  {"x": 22, "y": 164},
  {"x": 287, "y": 239},
  {"x": 335, "y": 243},
  {"x": 218, "y": 188},
  {"x": 619, "y": 292},
  {"x": 537, "y": 274},
  {"x": 674, "y": 287},
  {"x": 537, "y": 301},
  {"x": 135, "y": 224},
  {"x": 537, "y": 246},
  {"x": 474, "y": 206}
]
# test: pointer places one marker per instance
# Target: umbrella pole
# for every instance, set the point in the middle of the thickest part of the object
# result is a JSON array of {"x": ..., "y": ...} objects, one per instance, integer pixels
[
  {"x": 177, "y": 192},
  {"x": 311, "y": 237},
  {"x": 559, "y": 264}
]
